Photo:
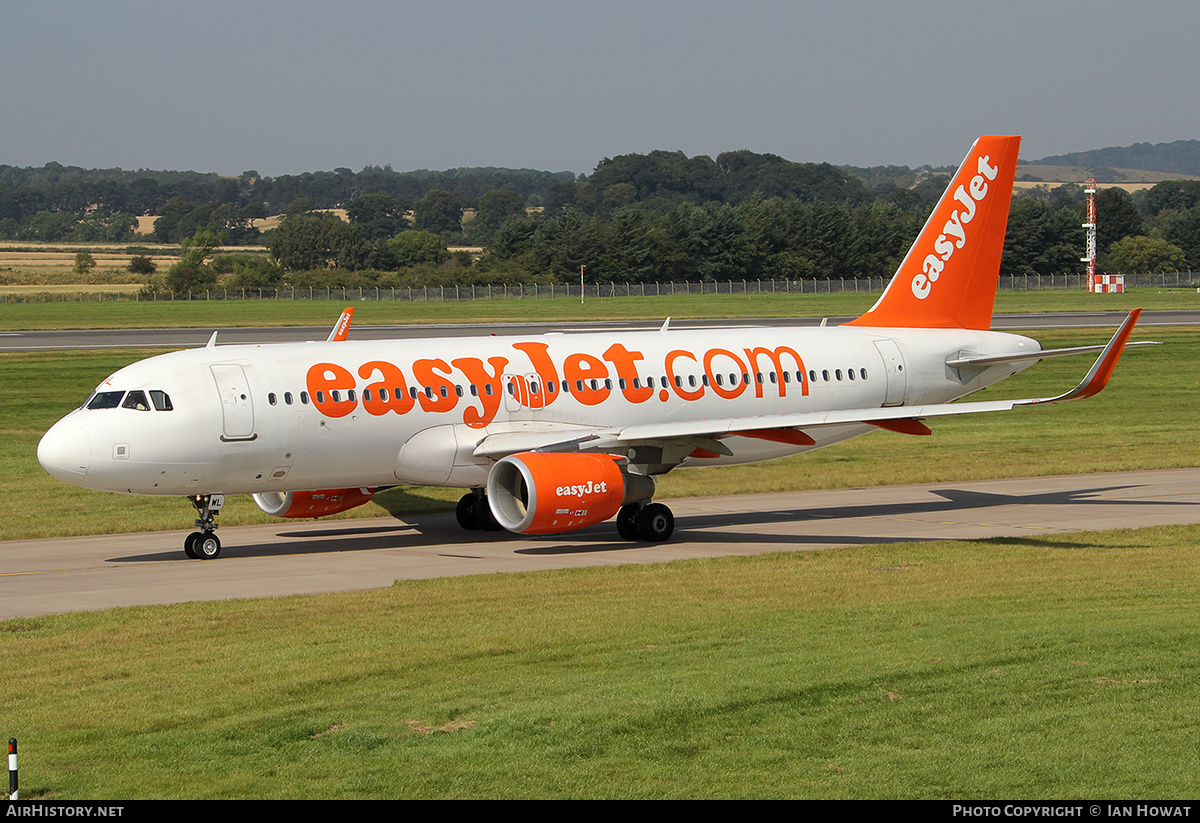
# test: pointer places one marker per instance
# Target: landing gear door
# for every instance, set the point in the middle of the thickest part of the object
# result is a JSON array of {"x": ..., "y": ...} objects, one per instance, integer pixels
[
  {"x": 893, "y": 367},
  {"x": 237, "y": 407}
]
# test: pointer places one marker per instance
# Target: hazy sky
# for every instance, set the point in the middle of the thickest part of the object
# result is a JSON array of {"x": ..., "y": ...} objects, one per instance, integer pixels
[{"x": 287, "y": 87}]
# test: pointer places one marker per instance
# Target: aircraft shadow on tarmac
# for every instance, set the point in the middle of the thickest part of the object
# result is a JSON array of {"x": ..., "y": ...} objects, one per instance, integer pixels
[{"x": 434, "y": 530}]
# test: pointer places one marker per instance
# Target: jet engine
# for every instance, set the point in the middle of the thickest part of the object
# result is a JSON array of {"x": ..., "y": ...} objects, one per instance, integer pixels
[
  {"x": 311, "y": 504},
  {"x": 551, "y": 492}
]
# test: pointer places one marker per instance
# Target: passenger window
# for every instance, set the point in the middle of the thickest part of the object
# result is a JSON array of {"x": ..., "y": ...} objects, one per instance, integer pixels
[
  {"x": 161, "y": 400},
  {"x": 287, "y": 397},
  {"x": 136, "y": 400},
  {"x": 271, "y": 398},
  {"x": 304, "y": 398}
]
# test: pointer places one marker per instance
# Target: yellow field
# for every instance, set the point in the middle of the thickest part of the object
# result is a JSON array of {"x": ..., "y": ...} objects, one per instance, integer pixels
[
  {"x": 42, "y": 268},
  {"x": 71, "y": 288}
]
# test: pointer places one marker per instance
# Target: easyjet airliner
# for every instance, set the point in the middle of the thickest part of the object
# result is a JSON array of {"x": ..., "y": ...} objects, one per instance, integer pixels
[{"x": 556, "y": 432}]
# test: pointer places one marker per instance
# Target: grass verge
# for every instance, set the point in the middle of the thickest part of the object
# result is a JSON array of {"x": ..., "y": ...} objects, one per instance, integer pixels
[
  {"x": 1051, "y": 667},
  {"x": 224, "y": 314}
]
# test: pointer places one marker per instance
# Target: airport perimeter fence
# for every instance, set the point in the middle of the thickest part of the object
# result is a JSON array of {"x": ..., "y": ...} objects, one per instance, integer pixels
[{"x": 536, "y": 291}]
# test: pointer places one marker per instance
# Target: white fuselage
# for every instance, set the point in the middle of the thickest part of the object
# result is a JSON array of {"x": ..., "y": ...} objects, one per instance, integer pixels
[{"x": 302, "y": 416}]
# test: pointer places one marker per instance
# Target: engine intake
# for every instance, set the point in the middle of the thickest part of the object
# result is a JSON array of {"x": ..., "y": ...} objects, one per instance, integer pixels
[{"x": 551, "y": 492}]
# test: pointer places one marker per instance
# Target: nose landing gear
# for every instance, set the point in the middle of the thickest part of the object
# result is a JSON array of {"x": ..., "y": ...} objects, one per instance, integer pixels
[{"x": 204, "y": 545}]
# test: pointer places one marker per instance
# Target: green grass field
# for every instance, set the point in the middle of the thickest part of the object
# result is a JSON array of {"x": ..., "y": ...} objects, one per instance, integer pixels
[{"x": 1053, "y": 667}]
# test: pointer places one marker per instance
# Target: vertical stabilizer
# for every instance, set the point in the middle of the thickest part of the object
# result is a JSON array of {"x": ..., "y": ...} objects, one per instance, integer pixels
[{"x": 948, "y": 278}]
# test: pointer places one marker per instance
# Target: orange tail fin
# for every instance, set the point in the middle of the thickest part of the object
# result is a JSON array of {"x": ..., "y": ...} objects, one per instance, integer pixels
[{"x": 948, "y": 278}]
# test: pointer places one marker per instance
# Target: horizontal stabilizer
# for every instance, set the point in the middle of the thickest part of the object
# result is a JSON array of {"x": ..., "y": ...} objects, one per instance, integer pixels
[{"x": 1025, "y": 357}]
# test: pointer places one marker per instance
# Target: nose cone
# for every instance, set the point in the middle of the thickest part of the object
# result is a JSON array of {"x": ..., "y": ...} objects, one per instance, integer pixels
[{"x": 65, "y": 451}]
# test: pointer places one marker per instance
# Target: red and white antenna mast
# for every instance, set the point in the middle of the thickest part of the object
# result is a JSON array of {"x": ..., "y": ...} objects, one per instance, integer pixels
[{"x": 1090, "y": 225}]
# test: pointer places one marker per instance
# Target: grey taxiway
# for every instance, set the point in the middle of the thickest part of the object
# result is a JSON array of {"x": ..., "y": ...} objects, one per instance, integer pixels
[{"x": 300, "y": 557}]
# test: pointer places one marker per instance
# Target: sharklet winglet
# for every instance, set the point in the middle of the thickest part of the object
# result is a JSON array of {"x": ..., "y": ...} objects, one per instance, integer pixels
[{"x": 342, "y": 327}]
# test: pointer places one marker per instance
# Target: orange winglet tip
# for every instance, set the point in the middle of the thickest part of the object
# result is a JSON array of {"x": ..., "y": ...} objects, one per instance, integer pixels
[
  {"x": 341, "y": 329},
  {"x": 1098, "y": 377}
]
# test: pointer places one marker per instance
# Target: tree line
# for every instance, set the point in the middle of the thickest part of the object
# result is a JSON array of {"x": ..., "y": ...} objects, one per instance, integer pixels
[{"x": 656, "y": 217}]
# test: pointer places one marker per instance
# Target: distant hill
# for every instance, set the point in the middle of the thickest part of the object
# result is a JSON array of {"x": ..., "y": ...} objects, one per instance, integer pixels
[
  {"x": 1181, "y": 157},
  {"x": 1138, "y": 166}
]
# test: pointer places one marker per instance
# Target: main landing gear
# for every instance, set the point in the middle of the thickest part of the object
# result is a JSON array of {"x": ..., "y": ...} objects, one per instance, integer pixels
[
  {"x": 649, "y": 522},
  {"x": 473, "y": 512},
  {"x": 204, "y": 545}
]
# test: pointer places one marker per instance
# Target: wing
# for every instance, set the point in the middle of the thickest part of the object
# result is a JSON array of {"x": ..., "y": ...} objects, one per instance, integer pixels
[{"x": 684, "y": 437}]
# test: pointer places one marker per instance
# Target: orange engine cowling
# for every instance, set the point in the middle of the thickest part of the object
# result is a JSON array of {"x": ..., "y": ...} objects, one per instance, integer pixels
[
  {"x": 551, "y": 492},
  {"x": 311, "y": 504}
]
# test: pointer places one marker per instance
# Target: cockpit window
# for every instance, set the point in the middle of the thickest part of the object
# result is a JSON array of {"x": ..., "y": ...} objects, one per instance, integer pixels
[
  {"x": 136, "y": 400},
  {"x": 105, "y": 400},
  {"x": 161, "y": 400}
]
